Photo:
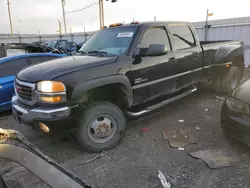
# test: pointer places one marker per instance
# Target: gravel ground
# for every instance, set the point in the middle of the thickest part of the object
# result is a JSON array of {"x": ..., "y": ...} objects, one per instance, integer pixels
[{"x": 137, "y": 159}]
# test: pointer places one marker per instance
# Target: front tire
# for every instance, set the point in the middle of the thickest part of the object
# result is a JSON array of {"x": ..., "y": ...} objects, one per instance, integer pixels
[
  {"x": 228, "y": 82},
  {"x": 101, "y": 127}
]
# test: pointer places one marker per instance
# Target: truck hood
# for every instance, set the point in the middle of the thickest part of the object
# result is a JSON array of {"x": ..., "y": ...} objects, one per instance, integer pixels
[{"x": 52, "y": 69}]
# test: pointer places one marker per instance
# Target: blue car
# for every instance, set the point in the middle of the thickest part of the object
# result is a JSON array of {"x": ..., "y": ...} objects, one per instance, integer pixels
[{"x": 10, "y": 66}]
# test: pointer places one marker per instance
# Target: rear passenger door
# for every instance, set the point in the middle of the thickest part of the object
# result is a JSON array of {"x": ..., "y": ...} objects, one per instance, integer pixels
[
  {"x": 188, "y": 54},
  {"x": 151, "y": 76}
]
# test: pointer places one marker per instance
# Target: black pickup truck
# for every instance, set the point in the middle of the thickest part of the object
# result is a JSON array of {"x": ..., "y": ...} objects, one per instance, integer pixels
[{"x": 124, "y": 69}]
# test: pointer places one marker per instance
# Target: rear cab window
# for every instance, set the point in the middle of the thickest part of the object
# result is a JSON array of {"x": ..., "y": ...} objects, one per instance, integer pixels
[{"x": 183, "y": 36}]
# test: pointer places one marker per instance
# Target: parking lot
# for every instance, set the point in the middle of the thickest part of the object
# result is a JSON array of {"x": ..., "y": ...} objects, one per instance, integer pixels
[{"x": 139, "y": 156}]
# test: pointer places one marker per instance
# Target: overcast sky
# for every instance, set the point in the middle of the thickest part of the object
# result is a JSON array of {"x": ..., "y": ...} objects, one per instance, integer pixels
[{"x": 29, "y": 16}]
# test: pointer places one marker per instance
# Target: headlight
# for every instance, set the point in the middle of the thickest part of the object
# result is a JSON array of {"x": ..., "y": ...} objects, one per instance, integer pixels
[
  {"x": 51, "y": 92},
  {"x": 237, "y": 105},
  {"x": 50, "y": 87}
]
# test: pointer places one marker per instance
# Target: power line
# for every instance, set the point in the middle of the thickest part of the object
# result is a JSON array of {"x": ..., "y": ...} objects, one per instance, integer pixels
[
  {"x": 84, "y": 8},
  {"x": 101, "y": 10}
]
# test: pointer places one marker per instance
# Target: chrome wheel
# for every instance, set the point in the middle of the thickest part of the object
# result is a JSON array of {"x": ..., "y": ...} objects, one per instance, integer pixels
[{"x": 102, "y": 128}]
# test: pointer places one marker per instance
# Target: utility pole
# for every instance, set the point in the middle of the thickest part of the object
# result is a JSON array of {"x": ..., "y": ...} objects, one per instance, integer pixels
[
  {"x": 64, "y": 19},
  {"x": 19, "y": 37},
  {"x": 206, "y": 26},
  {"x": 39, "y": 35},
  {"x": 101, "y": 14},
  {"x": 60, "y": 28},
  {"x": 85, "y": 35},
  {"x": 11, "y": 28}
]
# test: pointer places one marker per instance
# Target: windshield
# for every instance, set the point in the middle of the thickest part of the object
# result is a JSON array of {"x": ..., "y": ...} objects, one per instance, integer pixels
[
  {"x": 52, "y": 44},
  {"x": 113, "y": 41}
]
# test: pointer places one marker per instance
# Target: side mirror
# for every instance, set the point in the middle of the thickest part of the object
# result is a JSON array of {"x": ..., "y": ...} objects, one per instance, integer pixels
[{"x": 157, "y": 50}]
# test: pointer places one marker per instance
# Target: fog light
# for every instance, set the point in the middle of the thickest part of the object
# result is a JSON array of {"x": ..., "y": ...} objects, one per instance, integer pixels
[{"x": 44, "y": 127}]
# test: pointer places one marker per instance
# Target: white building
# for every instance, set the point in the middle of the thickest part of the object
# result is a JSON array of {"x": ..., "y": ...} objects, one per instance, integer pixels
[{"x": 227, "y": 29}]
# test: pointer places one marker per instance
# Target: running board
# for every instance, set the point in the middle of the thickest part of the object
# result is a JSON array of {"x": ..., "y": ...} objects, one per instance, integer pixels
[{"x": 161, "y": 104}]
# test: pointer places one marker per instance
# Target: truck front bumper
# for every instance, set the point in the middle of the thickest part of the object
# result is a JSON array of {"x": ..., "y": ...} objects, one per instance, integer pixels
[
  {"x": 48, "y": 115},
  {"x": 29, "y": 114}
]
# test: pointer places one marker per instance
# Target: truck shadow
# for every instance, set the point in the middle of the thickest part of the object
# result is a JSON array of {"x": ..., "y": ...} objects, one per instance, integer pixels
[{"x": 4, "y": 115}]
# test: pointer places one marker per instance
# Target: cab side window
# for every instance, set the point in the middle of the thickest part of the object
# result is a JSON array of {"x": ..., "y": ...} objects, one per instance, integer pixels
[
  {"x": 183, "y": 36},
  {"x": 155, "y": 35}
]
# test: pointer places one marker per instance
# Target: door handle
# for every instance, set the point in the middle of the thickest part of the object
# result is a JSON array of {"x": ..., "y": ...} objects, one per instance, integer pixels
[
  {"x": 172, "y": 60},
  {"x": 196, "y": 54}
]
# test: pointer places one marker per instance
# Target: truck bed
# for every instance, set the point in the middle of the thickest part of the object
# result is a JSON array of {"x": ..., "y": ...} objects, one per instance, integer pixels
[
  {"x": 208, "y": 42},
  {"x": 217, "y": 52}
]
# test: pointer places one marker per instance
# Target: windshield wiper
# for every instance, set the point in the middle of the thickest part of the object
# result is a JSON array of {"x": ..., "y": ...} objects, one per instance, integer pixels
[
  {"x": 101, "y": 53},
  {"x": 82, "y": 52}
]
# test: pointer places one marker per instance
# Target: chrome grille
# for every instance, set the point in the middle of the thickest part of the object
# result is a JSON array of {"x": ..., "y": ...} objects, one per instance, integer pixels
[{"x": 25, "y": 92}]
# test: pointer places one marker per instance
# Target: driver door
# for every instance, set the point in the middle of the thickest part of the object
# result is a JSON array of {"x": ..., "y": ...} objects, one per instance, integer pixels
[{"x": 150, "y": 76}]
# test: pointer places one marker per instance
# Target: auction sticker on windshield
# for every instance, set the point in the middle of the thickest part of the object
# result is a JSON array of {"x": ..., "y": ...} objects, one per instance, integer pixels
[{"x": 126, "y": 34}]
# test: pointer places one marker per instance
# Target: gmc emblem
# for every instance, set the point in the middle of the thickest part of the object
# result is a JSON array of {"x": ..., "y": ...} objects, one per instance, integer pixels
[{"x": 18, "y": 89}]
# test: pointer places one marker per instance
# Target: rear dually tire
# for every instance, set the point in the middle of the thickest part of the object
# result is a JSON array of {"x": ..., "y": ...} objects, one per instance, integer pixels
[{"x": 228, "y": 82}]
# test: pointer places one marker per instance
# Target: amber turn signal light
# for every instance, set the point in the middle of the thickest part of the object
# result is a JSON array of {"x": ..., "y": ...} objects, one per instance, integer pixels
[{"x": 51, "y": 98}]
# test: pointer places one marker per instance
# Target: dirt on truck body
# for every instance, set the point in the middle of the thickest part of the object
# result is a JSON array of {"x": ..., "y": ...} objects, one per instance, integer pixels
[{"x": 124, "y": 69}]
